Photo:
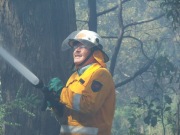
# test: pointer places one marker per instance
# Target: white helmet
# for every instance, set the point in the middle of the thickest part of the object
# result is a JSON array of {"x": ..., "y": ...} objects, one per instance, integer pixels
[{"x": 89, "y": 38}]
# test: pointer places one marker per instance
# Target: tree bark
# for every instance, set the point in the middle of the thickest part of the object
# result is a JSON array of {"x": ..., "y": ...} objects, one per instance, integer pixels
[{"x": 33, "y": 30}]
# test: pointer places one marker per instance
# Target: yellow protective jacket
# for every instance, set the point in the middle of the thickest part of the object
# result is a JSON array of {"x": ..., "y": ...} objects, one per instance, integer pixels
[{"x": 90, "y": 102}]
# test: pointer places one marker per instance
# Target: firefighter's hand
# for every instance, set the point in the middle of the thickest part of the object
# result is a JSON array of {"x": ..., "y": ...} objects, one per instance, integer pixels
[
  {"x": 52, "y": 93},
  {"x": 55, "y": 85}
]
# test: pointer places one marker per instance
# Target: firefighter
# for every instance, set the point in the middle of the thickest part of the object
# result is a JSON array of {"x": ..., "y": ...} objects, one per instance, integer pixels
[{"x": 89, "y": 94}]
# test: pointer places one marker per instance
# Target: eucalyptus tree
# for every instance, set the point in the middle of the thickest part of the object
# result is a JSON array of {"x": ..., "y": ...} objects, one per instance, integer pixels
[{"x": 32, "y": 30}]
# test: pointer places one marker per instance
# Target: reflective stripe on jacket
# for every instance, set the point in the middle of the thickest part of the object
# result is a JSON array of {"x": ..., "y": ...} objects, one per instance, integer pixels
[
  {"x": 90, "y": 100},
  {"x": 78, "y": 130}
]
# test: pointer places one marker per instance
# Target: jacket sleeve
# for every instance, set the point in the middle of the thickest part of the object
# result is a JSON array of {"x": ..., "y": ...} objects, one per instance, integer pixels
[{"x": 92, "y": 96}]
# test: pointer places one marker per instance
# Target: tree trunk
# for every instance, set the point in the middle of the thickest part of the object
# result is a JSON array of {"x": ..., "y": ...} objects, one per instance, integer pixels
[
  {"x": 178, "y": 118},
  {"x": 33, "y": 30},
  {"x": 92, "y": 22}
]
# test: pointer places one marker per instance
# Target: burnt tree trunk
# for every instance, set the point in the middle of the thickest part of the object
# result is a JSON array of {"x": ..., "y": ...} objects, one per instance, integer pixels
[{"x": 33, "y": 30}]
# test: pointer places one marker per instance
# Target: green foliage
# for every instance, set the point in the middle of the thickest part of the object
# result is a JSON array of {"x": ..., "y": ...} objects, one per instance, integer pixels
[
  {"x": 157, "y": 106},
  {"x": 164, "y": 67},
  {"x": 23, "y": 104},
  {"x": 172, "y": 10},
  {"x": 160, "y": 103},
  {"x": 128, "y": 119},
  {"x": 156, "y": 110},
  {"x": 2, "y": 115},
  {"x": 167, "y": 99}
]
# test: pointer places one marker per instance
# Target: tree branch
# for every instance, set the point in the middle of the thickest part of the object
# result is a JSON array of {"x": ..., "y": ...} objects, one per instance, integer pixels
[
  {"x": 82, "y": 21},
  {"x": 111, "y": 9},
  {"x": 119, "y": 41},
  {"x": 137, "y": 73},
  {"x": 107, "y": 11},
  {"x": 141, "y": 43},
  {"x": 143, "y": 21}
]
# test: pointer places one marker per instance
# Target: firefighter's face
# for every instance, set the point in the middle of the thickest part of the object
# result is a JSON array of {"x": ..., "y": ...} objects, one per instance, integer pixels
[{"x": 80, "y": 53}]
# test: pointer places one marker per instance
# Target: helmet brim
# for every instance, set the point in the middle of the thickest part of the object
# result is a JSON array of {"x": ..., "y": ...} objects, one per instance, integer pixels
[
  {"x": 65, "y": 44},
  {"x": 72, "y": 42}
]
